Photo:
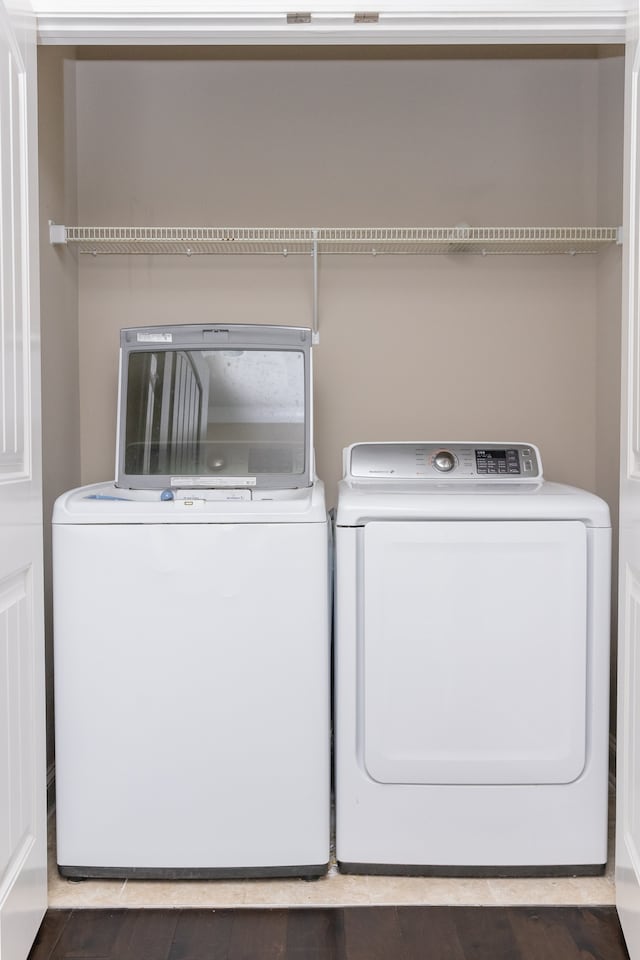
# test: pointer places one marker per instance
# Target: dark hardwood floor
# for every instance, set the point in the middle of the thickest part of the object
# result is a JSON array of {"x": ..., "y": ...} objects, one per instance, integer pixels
[{"x": 350, "y": 933}]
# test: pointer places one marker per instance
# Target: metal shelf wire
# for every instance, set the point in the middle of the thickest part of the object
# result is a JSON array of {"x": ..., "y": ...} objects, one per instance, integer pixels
[
  {"x": 285, "y": 241},
  {"x": 313, "y": 241},
  {"x": 189, "y": 240},
  {"x": 463, "y": 239}
]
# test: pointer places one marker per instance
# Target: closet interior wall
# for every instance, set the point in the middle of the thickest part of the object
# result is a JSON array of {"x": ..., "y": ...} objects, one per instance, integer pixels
[
  {"x": 59, "y": 316},
  {"x": 608, "y": 317},
  {"x": 411, "y": 347}
]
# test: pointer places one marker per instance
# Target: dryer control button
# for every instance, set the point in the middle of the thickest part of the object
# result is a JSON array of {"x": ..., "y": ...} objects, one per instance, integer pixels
[{"x": 444, "y": 461}]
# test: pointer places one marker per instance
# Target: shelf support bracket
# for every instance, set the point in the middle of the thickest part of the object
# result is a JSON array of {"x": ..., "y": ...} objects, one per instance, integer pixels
[
  {"x": 315, "y": 332},
  {"x": 57, "y": 233}
]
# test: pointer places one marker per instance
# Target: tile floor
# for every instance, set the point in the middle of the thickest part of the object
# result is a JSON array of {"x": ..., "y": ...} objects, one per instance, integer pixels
[{"x": 333, "y": 890}]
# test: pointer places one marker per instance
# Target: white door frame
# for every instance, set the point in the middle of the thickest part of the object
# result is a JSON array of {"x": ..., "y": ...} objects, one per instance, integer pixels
[
  {"x": 23, "y": 812},
  {"x": 332, "y": 22},
  {"x": 628, "y": 727},
  {"x": 472, "y": 22}
]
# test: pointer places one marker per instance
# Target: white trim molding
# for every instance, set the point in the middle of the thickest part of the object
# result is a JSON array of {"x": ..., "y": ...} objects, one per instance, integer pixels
[{"x": 149, "y": 22}]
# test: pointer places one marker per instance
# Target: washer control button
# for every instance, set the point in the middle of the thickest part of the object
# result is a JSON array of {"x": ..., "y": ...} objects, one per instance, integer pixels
[{"x": 444, "y": 461}]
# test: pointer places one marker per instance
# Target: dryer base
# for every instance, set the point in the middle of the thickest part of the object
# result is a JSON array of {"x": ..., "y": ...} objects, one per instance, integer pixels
[{"x": 430, "y": 870}]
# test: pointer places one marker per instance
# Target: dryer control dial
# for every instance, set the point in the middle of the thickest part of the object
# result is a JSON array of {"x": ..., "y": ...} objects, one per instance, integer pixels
[{"x": 444, "y": 461}]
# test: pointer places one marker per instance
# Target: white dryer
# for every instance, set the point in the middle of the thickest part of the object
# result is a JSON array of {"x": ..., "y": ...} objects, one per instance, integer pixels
[{"x": 471, "y": 663}]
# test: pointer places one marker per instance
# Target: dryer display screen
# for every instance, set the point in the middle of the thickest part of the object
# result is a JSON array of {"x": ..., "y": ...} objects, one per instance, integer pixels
[{"x": 497, "y": 461}]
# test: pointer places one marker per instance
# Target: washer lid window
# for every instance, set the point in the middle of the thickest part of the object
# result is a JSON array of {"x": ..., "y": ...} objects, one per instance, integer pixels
[{"x": 214, "y": 407}]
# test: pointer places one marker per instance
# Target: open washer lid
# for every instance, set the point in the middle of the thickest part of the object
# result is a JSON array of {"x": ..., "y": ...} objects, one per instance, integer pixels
[{"x": 214, "y": 406}]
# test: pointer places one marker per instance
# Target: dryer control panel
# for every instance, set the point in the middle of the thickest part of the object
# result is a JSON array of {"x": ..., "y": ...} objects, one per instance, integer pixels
[{"x": 502, "y": 462}]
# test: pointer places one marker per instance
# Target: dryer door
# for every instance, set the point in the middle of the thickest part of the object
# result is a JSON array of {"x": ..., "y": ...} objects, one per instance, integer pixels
[{"x": 473, "y": 666}]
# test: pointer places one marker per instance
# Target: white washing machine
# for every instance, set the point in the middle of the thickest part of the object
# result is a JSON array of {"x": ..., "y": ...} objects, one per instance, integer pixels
[
  {"x": 471, "y": 663},
  {"x": 191, "y": 616}
]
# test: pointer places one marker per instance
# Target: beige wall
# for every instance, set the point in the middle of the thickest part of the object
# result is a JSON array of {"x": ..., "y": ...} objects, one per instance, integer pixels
[
  {"x": 608, "y": 332},
  {"x": 59, "y": 308},
  {"x": 448, "y": 347},
  {"x": 609, "y": 280},
  {"x": 412, "y": 347}
]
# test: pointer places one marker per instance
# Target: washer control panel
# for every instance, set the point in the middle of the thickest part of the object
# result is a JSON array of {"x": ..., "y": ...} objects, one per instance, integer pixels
[{"x": 501, "y": 462}]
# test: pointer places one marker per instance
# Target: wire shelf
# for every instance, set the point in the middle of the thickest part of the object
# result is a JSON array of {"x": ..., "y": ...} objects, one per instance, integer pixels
[
  {"x": 475, "y": 240},
  {"x": 284, "y": 241},
  {"x": 190, "y": 240}
]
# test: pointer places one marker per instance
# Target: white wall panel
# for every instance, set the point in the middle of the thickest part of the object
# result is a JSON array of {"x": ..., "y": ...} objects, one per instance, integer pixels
[{"x": 14, "y": 427}]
